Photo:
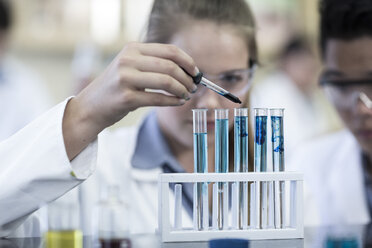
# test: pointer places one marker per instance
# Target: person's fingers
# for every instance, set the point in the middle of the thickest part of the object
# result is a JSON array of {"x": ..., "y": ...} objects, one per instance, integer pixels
[
  {"x": 157, "y": 81},
  {"x": 160, "y": 65},
  {"x": 171, "y": 52},
  {"x": 142, "y": 98}
]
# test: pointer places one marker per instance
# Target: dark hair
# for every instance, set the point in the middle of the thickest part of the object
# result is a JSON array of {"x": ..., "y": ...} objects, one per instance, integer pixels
[
  {"x": 168, "y": 16},
  {"x": 295, "y": 45},
  {"x": 344, "y": 20},
  {"x": 5, "y": 15}
]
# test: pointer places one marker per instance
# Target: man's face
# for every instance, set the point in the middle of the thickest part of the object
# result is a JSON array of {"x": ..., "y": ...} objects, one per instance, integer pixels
[{"x": 347, "y": 80}]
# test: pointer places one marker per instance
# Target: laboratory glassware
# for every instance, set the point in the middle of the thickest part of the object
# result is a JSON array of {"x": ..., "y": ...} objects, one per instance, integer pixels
[
  {"x": 277, "y": 140},
  {"x": 111, "y": 220},
  {"x": 63, "y": 225},
  {"x": 260, "y": 165},
  {"x": 241, "y": 163},
  {"x": 222, "y": 163},
  {"x": 201, "y": 209}
]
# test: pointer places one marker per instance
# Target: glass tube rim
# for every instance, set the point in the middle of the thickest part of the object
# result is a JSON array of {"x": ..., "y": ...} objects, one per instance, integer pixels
[
  {"x": 257, "y": 111},
  {"x": 199, "y": 110},
  {"x": 241, "y": 111},
  {"x": 276, "y": 111},
  {"x": 199, "y": 120},
  {"x": 221, "y": 113}
]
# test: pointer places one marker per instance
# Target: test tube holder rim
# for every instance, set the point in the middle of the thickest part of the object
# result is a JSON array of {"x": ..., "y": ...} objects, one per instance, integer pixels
[{"x": 168, "y": 234}]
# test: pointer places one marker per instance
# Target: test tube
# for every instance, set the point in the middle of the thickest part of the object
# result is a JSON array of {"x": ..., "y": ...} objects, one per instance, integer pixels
[
  {"x": 260, "y": 155},
  {"x": 241, "y": 161},
  {"x": 221, "y": 162},
  {"x": 200, "y": 166},
  {"x": 277, "y": 140},
  {"x": 178, "y": 206}
]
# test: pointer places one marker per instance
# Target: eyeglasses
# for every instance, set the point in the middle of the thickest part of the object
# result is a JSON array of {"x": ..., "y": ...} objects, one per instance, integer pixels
[
  {"x": 346, "y": 93},
  {"x": 236, "y": 82}
]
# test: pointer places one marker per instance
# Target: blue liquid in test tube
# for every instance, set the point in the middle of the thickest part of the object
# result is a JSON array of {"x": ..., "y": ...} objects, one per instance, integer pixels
[
  {"x": 277, "y": 140},
  {"x": 260, "y": 165},
  {"x": 221, "y": 161},
  {"x": 241, "y": 162},
  {"x": 201, "y": 216},
  {"x": 200, "y": 153},
  {"x": 222, "y": 145},
  {"x": 260, "y": 143},
  {"x": 241, "y": 141}
]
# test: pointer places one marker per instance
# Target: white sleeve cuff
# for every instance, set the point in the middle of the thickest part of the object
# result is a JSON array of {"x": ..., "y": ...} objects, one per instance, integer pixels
[{"x": 84, "y": 164}]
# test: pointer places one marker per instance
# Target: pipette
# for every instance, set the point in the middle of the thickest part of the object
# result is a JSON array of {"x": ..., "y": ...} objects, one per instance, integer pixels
[{"x": 199, "y": 79}]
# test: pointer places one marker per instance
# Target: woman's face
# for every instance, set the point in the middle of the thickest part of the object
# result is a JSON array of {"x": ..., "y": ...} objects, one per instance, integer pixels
[{"x": 215, "y": 50}]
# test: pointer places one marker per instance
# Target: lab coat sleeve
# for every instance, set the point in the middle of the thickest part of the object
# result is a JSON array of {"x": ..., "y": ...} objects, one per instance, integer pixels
[{"x": 35, "y": 169}]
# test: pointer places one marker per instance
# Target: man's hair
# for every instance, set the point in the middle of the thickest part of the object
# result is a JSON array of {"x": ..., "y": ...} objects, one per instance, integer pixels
[
  {"x": 344, "y": 20},
  {"x": 5, "y": 15}
]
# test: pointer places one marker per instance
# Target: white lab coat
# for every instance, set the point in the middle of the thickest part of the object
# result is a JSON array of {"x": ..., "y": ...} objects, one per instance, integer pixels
[
  {"x": 334, "y": 183},
  {"x": 34, "y": 170},
  {"x": 22, "y": 97},
  {"x": 305, "y": 117}
]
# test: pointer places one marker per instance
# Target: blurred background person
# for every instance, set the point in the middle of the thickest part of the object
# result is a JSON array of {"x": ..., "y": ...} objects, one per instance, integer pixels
[
  {"x": 22, "y": 95},
  {"x": 292, "y": 86},
  {"x": 337, "y": 167}
]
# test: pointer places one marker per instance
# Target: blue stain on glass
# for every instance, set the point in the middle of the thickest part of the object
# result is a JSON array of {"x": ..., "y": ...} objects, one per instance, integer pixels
[
  {"x": 221, "y": 145},
  {"x": 260, "y": 150},
  {"x": 200, "y": 153},
  {"x": 241, "y": 144},
  {"x": 277, "y": 140}
]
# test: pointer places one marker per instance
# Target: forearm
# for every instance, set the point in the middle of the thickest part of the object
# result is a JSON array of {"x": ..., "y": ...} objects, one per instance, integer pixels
[{"x": 78, "y": 130}]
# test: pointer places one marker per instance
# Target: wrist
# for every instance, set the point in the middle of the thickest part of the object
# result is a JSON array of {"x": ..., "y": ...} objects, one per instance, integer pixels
[{"x": 78, "y": 128}]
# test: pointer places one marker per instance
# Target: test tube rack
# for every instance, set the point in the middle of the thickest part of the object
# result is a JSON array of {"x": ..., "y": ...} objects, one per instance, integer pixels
[{"x": 295, "y": 229}]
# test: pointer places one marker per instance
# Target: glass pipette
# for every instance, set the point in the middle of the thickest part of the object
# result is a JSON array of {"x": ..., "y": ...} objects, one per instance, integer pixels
[{"x": 199, "y": 79}]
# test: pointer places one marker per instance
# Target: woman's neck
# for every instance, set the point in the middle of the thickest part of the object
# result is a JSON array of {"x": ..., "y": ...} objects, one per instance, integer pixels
[
  {"x": 185, "y": 154},
  {"x": 182, "y": 152}
]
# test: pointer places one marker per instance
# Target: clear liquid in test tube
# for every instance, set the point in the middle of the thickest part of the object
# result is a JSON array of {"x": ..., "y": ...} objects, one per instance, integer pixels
[
  {"x": 222, "y": 163},
  {"x": 277, "y": 140},
  {"x": 200, "y": 166},
  {"x": 260, "y": 165},
  {"x": 241, "y": 163}
]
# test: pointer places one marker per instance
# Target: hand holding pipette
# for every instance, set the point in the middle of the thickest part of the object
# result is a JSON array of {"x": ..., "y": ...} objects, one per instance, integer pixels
[{"x": 140, "y": 75}]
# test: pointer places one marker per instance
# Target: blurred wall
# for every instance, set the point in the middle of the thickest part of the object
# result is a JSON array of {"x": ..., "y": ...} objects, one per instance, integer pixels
[{"x": 47, "y": 32}]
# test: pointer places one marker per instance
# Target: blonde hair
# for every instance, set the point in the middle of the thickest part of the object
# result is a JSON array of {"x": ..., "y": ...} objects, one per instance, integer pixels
[{"x": 169, "y": 16}]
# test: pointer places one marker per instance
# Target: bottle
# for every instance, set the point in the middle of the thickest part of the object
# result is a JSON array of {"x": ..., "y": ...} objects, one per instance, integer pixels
[{"x": 112, "y": 224}]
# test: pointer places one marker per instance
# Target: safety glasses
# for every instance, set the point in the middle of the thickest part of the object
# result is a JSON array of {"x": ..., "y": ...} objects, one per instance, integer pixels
[
  {"x": 345, "y": 94},
  {"x": 236, "y": 82}
]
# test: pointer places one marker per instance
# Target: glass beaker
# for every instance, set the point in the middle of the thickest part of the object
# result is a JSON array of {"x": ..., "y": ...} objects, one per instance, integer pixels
[{"x": 63, "y": 226}]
